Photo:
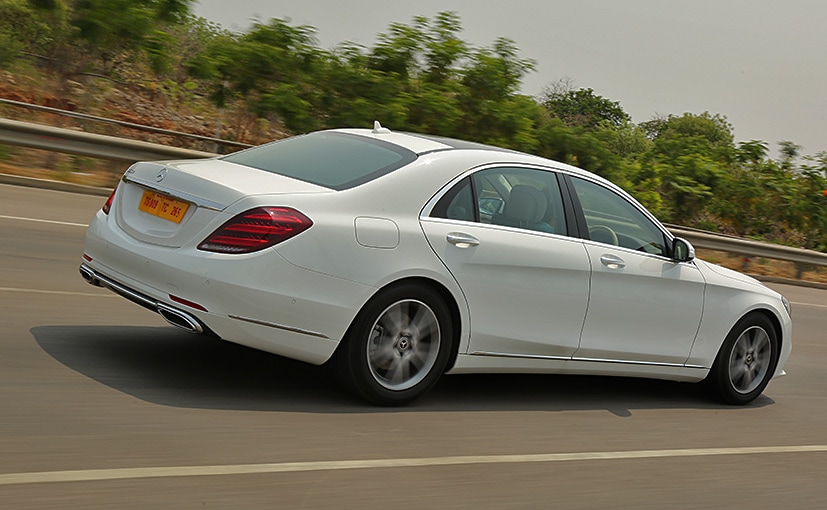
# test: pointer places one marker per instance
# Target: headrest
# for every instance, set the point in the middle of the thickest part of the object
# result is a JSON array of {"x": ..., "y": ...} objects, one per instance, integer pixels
[{"x": 526, "y": 204}]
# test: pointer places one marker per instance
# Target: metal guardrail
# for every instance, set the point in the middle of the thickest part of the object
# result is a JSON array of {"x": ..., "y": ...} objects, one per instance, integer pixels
[
  {"x": 109, "y": 147},
  {"x": 121, "y": 123},
  {"x": 749, "y": 248},
  {"x": 69, "y": 141}
]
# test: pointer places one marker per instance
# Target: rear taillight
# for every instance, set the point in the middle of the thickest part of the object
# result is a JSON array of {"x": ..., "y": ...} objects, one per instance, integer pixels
[
  {"x": 256, "y": 229},
  {"x": 108, "y": 205}
]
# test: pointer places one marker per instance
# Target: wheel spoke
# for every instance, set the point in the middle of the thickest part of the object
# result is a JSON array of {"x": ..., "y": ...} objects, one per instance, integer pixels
[
  {"x": 422, "y": 321},
  {"x": 394, "y": 320},
  {"x": 736, "y": 364},
  {"x": 741, "y": 347},
  {"x": 762, "y": 340},
  {"x": 381, "y": 354},
  {"x": 738, "y": 376},
  {"x": 748, "y": 377},
  {"x": 400, "y": 371},
  {"x": 418, "y": 358}
]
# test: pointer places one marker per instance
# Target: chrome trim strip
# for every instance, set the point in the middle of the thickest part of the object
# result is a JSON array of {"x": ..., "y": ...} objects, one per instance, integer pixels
[
  {"x": 589, "y": 360},
  {"x": 279, "y": 326},
  {"x": 632, "y": 362},
  {"x": 200, "y": 202},
  {"x": 526, "y": 356},
  {"x": 117, "y": 288}
]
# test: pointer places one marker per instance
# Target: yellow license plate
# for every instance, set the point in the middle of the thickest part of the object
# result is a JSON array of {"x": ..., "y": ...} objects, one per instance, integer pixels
[{"x": 163, "y": 206}]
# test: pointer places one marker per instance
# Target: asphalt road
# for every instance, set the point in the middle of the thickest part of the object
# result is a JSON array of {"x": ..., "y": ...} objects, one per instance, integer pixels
[{"x": 102, "y": 405}]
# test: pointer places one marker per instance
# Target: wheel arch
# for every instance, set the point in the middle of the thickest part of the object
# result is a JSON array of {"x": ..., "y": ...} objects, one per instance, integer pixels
[
  {"x": 444, "y": 293},
  {"x": 722, "y": 383},
  {"x": 776, "y": 324}
]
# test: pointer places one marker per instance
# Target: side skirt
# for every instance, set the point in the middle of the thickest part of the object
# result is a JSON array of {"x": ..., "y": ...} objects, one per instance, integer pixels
[{"x": 480, "y": 362}]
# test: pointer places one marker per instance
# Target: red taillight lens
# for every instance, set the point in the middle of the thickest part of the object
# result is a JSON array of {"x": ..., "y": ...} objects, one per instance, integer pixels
[
  {"x": 256, "y": 229},
  {"x": 108, "y": 205},
  {"x": 191, "y": 304}
]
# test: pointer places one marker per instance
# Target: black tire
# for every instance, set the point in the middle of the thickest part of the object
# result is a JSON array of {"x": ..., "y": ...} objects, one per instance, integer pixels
[
  {"x": 397, "y": 347},
  {"x": 746, "y": 362}
]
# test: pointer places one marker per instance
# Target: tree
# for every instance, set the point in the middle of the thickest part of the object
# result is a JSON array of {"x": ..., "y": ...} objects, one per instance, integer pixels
[
  {"x": 753, "y": 152},
  {"x": 33, "y": 26},
  {"x": 111, "y": 26},
  {"x": 582, "y": 107},
  {"x": 493, "y": 112},
  {"x": 626, "y": 139},
  {"x": 789, "y": 153},
  {"x": 444, "y": 50},
  {"x": 694, "y": 152},
  {"x": 272, "y": 66}
]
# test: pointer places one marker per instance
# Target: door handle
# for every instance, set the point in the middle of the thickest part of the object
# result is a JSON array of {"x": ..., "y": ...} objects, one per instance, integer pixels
[
  {"x": 612, "y": 261},
  {"x": 461, "y": 240}
]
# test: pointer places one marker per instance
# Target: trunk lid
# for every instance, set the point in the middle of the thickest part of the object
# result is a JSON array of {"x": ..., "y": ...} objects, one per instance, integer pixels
[{"x": 172, "y": 203}]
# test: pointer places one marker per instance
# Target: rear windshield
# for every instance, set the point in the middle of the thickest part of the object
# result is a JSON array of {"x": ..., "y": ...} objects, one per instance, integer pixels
[{"x": 333, "y": 160}]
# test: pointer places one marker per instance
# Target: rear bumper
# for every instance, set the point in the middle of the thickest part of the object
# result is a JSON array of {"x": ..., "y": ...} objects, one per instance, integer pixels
[
  {"x": 258, "y": 300},
  {"x": 175, "y": 316}
]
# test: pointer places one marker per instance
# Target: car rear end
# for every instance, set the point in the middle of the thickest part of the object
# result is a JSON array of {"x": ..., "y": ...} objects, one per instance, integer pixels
[{"x": 165, "y": 245}]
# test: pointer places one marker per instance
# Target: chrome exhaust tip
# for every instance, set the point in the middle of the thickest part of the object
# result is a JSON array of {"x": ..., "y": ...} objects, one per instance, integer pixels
[
  {"x": 89, "y": 275},
  {"x": 179, "y": 319}
]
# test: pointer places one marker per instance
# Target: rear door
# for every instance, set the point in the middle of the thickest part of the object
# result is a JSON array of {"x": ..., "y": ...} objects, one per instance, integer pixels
[{"x": 526, "y": 282}]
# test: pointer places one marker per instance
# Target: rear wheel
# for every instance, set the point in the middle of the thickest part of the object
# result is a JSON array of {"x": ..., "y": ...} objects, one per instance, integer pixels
[
  {"x": 746, "y": 361},
  {"x": 398, "y": 346}
]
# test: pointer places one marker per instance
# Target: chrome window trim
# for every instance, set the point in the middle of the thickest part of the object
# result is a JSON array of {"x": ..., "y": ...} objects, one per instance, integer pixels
[
  {"x": 425, "y": 213},
  {"x": 429, "y": 206}
]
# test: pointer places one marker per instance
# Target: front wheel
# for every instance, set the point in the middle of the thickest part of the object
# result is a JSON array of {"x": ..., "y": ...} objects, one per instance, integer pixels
[
  {"x": 746, "y": 362},
  {"x": 398, "y": 346}
]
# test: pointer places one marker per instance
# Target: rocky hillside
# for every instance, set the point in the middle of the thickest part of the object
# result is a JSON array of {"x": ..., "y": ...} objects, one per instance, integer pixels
[{"x": 145, "y": 106}]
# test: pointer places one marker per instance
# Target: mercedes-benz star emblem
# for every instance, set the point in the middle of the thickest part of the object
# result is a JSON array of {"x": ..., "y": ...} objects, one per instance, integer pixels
[{"x": 161, "y": 175}]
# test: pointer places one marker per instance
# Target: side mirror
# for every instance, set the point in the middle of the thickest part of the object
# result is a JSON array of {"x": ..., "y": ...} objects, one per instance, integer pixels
[
  {"x": 491, "y": 206},
  {"x": 682, "y": 250}
]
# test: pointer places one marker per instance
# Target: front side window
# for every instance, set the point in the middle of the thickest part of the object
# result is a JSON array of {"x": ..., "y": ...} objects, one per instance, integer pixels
[
  {"x": 612, "y": 219},
  {"x": 522, "y": 198}
]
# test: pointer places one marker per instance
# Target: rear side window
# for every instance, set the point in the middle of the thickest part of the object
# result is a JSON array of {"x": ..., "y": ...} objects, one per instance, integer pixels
[
  {"x": 525, "y": 198},
  {"x": 333, "y": 160}
]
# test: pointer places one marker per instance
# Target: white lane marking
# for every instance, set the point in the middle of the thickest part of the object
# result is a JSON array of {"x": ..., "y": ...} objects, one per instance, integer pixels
[
  {"x": 57, "y": 292},
  {"x": 808, "y": 304},
  {"x": 84, "y": 225},
  {"x": 86, "y": 475}
]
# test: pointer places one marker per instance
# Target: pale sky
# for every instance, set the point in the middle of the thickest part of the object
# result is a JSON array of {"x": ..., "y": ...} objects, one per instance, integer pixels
[{"x": 761, "y": 63}]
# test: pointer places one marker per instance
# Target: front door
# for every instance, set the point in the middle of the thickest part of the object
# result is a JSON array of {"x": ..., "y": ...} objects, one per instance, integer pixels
[{"x": 643, "y": 306}]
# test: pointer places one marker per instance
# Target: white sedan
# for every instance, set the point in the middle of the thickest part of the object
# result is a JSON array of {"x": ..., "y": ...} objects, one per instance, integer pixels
[{"x": 398, "y": 257}]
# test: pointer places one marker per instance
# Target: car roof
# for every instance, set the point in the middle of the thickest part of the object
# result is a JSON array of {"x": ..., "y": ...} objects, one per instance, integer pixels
[{"x": 421, "y": 143}]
